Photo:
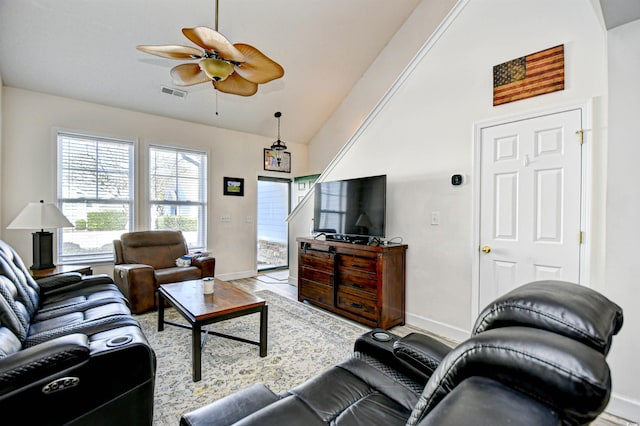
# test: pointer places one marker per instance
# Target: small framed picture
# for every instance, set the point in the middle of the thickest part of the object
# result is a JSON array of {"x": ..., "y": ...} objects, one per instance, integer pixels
[
  {"x": 272, "y": 163},
  {"x": 233, "y": 186}
]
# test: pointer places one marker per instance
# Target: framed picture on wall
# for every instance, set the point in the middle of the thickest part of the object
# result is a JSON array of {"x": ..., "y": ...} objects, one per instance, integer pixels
[
  {"x": 271, "y": 162},
  {"x": 233, "y": 186}
]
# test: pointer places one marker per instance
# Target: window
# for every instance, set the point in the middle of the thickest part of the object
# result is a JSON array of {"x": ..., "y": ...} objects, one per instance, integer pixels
[
  {"x": 95, "y": 192},
  {"x": 177, "y": 196}
]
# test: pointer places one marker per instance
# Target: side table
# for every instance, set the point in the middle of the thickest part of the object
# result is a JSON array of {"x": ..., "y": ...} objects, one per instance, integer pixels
[{"x": 61, "y": 269}]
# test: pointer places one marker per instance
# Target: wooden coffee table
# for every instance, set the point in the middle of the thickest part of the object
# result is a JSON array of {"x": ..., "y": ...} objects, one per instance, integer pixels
[{"x": 201, "y": 309}]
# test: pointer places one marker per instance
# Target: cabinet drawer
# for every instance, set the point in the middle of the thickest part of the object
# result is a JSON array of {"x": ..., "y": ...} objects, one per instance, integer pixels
[
  {"x": 367, "y": 264},
  {"x": 365, "y": 285},
  {"x": 363, "y": 307},
  {"x": 319, "y": 260},
  {"x": 315, "y": 292},
  {"x": 320, "y": 277}
]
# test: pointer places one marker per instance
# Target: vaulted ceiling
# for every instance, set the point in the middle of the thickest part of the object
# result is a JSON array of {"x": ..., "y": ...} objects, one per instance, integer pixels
[
  {"x": 619, "y": 12},
  {"x": 85, "y": 50}
]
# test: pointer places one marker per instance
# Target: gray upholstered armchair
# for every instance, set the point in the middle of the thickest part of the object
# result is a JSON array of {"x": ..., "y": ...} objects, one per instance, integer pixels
[{"x": 145, "y": 260}]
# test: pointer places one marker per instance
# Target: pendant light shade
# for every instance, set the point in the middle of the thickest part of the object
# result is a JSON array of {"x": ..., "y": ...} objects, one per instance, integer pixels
[{"x": 278, "y": 147}]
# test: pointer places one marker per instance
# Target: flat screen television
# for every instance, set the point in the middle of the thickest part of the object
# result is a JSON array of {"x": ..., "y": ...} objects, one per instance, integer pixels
[{"x": 351, "y": 207}]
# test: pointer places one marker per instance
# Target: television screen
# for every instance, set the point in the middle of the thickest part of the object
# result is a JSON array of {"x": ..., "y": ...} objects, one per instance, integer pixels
[{"x": 351, "y": 207}]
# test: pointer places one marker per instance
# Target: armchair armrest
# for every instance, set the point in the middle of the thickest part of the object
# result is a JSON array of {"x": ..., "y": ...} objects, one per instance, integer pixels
[
  {"x": 57, "y": 281},
  {"x": 415, "y": 355},
  {"x": 70, "y": 281},
  {"x": 421, "y": 351},
  {"x": 206, "y": 264},
  {"x": 41, "y": 361},
  {"x": 137, "y": 282}
]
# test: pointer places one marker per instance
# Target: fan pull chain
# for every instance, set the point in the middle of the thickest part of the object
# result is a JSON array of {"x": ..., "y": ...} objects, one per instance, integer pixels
[{"x": 216, "y": 102}]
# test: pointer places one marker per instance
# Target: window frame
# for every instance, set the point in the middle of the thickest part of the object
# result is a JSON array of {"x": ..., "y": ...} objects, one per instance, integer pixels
[
  {"x": 204, "y": 189},
  {"x": 132, "y": 144}
]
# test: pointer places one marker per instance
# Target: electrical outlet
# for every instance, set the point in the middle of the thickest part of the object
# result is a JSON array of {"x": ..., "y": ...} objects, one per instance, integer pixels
[{"x": 435, "y": 218}]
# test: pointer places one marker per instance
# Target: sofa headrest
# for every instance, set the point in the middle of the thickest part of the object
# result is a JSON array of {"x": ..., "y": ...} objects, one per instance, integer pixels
[
  {"x": 565, "y": 308},
  {"x": 159, "y": 249},
  {"x": 13, "y": 314},
  {"x": 151, "y": 238},
  {"x": 563, "y": 373}
]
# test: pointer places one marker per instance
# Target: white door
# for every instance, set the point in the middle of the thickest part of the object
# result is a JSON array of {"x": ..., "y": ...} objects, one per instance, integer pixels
[{"x": 530, "y": 194}]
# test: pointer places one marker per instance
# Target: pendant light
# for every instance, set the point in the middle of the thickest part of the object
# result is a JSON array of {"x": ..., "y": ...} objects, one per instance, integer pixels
[{"x": 278, "y": 147}]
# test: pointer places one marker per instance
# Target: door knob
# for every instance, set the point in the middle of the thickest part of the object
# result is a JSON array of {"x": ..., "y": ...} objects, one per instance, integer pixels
[{"x": 486, "y": 249}]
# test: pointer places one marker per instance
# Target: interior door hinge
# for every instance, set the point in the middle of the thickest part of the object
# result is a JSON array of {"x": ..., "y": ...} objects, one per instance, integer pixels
[
  {"x": 580, "y": 133},
  {"x": 581, "y": 238}
]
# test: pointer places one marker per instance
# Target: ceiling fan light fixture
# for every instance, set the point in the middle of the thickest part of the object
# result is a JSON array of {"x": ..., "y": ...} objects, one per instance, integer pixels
[
  {"x": 216, "y": 69},
  {"x": 232, "y": 68}
]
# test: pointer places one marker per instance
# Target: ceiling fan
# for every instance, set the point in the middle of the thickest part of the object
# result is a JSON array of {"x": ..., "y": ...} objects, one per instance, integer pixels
[{"x": 232, "y": 68}]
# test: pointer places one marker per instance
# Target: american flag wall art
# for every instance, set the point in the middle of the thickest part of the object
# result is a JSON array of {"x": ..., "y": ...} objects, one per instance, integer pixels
[{"x": 532, "y": 75}]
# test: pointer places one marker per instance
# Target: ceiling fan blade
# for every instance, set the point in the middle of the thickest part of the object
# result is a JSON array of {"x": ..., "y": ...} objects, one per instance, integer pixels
[
  {"x": 212, "y": 40},
  {"x": 188, "y": 75},
  {"x": 236, "y": 85},
  {"x": 172, "y": 51},
  {"x": 258, "y": 67}
]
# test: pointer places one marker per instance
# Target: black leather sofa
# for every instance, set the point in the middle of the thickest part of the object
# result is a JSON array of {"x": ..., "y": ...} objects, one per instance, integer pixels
[
  {"x": 536, "y": 357},
  {"x": 70, "y": 351}
]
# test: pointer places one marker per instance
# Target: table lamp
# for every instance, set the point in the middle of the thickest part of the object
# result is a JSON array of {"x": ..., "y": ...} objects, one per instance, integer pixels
[{"x": 40, "y": 216}]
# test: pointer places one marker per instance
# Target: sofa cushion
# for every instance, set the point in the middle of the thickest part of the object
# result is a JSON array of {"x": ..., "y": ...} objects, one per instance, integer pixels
[
  {"x": 480, "y": 401},
  {"x": 357, "y": 388},
  {"x": 9, "y": 343},
  {"x": 232, "y": 408},
  {"x": 13, "y": 314},
  {"x": 16, "y": 271},
  {"x": 565, "y": 308},
  {"x": 287, "y": 411},
  {"x": 176, "y": 273}
]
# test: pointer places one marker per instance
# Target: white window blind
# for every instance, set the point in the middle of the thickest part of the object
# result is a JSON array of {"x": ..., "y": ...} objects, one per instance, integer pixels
[
  {"x": 178, "y": 192},
  {"x": 95, "y": 192}
]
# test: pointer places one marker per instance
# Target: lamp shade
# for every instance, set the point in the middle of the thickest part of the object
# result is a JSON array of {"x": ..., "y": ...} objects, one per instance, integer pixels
[
  {"x": 40, "y": 215},
  {"x": 364, "y": 221}
]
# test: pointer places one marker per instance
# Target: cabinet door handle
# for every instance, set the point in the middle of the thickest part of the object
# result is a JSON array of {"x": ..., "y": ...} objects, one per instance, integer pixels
[
  {"x": 356, "y": 305},
  {"x": 357, "y": 285}
]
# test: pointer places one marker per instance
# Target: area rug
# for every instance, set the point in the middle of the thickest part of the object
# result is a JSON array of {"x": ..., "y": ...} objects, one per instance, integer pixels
[{"x": 302, "y": 342}]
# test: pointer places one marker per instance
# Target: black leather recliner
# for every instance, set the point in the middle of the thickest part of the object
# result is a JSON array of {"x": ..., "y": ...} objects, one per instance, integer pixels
[
  {"x": 70, "y": 351},
  {"x": 536, "y": 357}
]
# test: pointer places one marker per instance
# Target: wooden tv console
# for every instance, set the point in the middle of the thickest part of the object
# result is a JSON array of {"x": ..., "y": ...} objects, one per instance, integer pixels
[{"x": 360, "y": 282}]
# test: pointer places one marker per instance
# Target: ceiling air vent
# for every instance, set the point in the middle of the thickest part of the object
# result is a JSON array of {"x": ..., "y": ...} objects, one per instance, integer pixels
[{"x": 174, "y": 92}]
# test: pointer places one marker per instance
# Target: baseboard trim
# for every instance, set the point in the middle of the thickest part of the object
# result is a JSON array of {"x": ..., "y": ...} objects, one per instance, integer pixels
[
  {"x": 436, "y": 327},
  {"x": 237, "y": 275},
  {"x": 624, "y": 407}
]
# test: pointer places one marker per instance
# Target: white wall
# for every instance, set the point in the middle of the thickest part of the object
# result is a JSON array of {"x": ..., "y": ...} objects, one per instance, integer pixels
[
  {"x": 29, "y": 152},
  {"x": 376, "y": 81},
  {"x": 424, "y": 133},
  {"x": 1, "y": 138},
  {"x": 623, "y": 205}
]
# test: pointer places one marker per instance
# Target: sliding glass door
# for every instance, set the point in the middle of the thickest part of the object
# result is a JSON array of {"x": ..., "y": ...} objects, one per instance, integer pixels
[{"x": 273, "y": 232}]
